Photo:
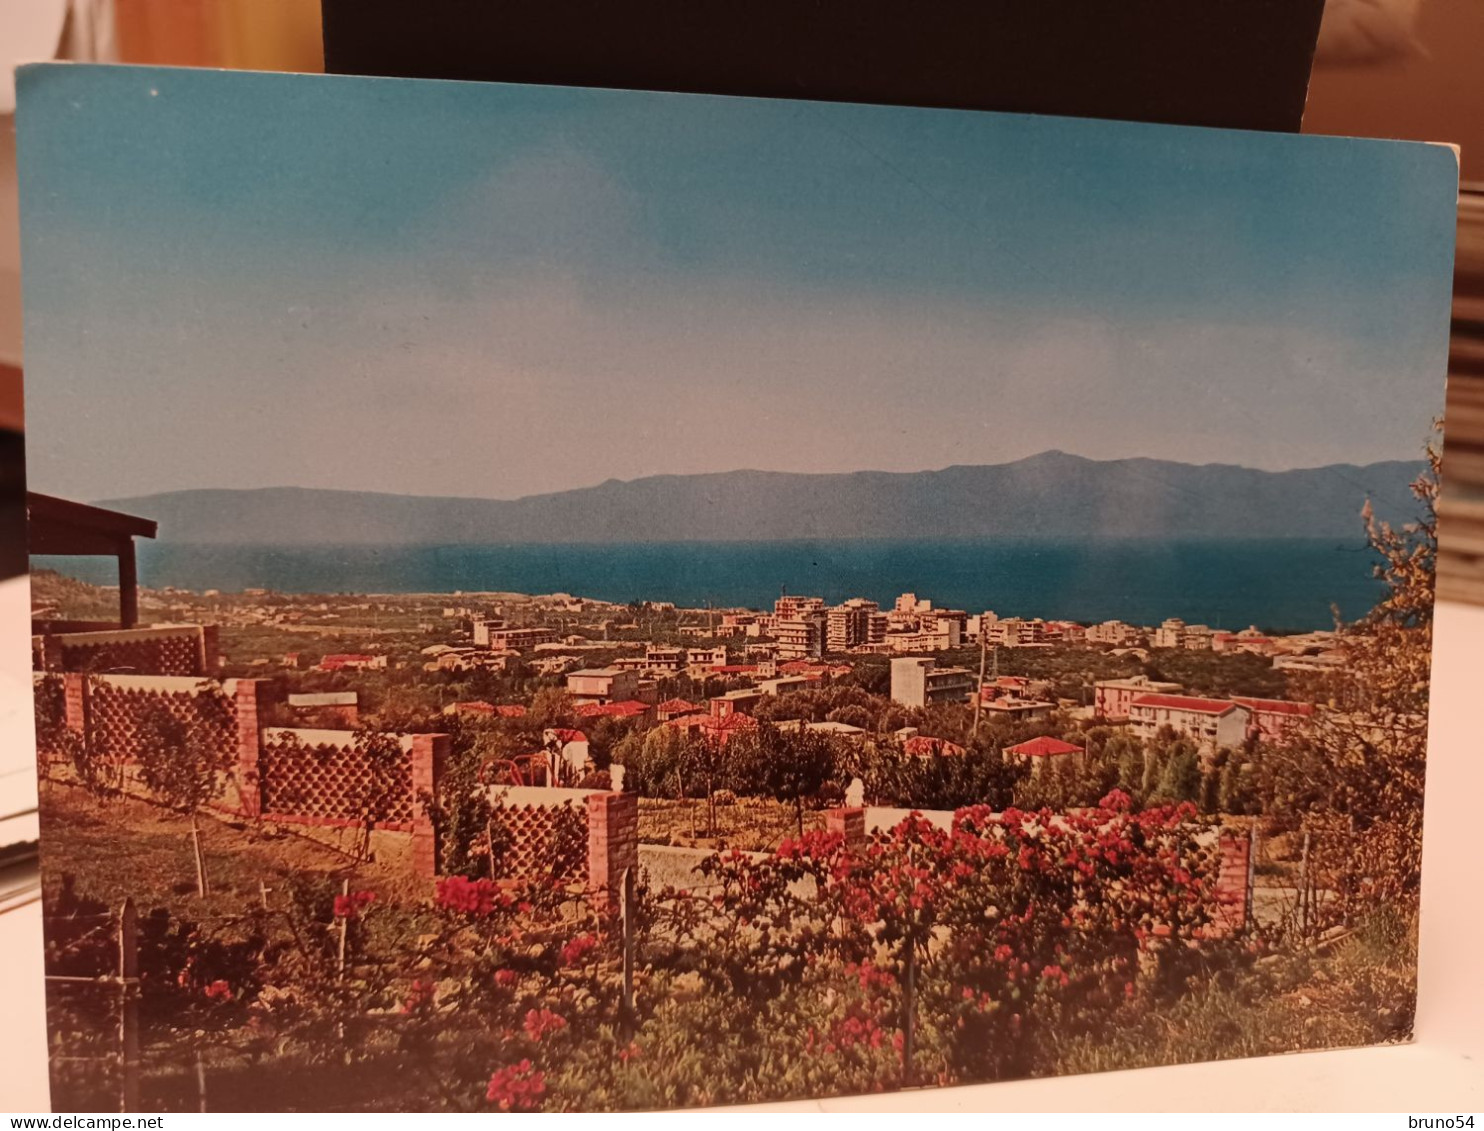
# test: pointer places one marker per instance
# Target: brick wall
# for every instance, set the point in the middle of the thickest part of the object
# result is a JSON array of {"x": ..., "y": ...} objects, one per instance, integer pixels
[
  {"x": 180, "y": 650},
  {"x": 338, "y": 780},
  {"x": 327, "y": 779},
  {"x": 109, "y": 709},
  {"x": 334, "y": 777},
  {"x": 849, "y": 823}
]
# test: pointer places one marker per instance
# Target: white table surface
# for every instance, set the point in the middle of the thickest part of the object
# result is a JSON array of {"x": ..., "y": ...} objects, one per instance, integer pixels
[{"x": 1443, "y": 1071}]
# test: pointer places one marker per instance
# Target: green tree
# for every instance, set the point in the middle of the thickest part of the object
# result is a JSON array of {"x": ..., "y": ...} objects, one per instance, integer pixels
[
  {"x": 551, "y": 707},
  {"x": 1354, "y": 772},
  {"x": 795, "y": 765},
  {"x": 1180, "y": 777}
]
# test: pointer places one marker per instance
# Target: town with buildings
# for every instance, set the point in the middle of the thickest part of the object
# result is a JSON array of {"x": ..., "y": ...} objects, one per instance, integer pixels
[
  {"x": 627, "y": 664},
  {"x": 340, "y": 768}
]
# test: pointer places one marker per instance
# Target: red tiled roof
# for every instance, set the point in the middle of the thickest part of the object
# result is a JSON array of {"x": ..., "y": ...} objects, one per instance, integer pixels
[
  {"x": 734, "y": 669},
  {"x": 923, "y": 746},
  {"x": 676, "y": 706},
  {"x": 812, "y": 667},
  {"x": 475, "y": 707},
  {"x": 1043, "y": 747},
  {"x": 566, "y": 735},
  {"x": 1275, "y": 706},
  {"x": 624, "y": 710},
  {"x": 735, "y": 721},
  {"x": 511, "y": 711},
  {"x": 1185, "y": 703}
]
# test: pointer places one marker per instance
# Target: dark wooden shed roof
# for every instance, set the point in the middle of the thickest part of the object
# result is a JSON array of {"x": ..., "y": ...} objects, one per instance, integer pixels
[{"x": 60, "y": 526}]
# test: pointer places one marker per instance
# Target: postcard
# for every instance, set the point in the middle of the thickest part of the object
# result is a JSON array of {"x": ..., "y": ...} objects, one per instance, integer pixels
[{"x": 566, "y": 599}]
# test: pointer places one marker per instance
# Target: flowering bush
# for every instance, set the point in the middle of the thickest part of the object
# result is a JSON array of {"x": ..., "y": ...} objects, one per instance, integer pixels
[
  {"x": 925, "y": 954},
  {"x": 517, "y": 1087},
  {"x": 470, "y": 897},
  {"x": 992, "y": 928}
]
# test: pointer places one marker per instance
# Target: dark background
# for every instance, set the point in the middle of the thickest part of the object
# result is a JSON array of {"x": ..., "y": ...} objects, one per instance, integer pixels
[{"x": 1236, "y": 63}]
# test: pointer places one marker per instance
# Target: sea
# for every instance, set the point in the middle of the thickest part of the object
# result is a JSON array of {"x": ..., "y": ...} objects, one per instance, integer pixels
[{"x": 1287, "y": 584}]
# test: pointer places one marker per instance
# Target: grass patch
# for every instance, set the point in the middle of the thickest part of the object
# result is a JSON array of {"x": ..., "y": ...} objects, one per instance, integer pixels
[
  {"x": 124, "y": 847},
  {"x": 1364, "y": 992}
]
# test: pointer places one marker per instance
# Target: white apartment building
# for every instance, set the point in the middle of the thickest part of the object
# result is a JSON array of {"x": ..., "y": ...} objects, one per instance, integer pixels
[
  {"x": 856, "y": 623},
  {"x": 917, "y": 681},
  {"x": 1210, "y": 723},
  {"x": 801, "y": 637},
  {"x": 1112, "y": 697}
]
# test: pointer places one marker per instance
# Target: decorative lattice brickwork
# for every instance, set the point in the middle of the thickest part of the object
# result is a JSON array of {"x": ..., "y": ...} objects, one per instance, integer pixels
[
  {"x": 118, "y": 704},
  {"x": 168, "y": 655},
  {"x": 542, "y": 841},
  {"x": 331, "y": 777},
  {"x": 180, "y": 650}
]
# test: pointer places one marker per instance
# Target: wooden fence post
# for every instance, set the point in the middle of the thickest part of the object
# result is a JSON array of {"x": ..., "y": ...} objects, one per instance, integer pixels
[
  {"x": 909, "y": 1016},
  {"x": 1248, "y": 924},
  {"x": 626, "y": 910},
  {"x": 129, "y": 1005},
  {"x": 344, "y": 926},
  {"x": 1305, "y": 882}
]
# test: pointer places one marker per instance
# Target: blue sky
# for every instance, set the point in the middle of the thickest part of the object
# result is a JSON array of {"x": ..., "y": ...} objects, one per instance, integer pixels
[{"x": 239, "y": 280}]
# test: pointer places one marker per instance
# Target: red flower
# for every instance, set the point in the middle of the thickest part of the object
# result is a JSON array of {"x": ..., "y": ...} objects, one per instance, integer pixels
[
  {"x": 539, "y": 1022},
  {"x": 419, "y": 997},
  {"x": 348, "y": 906},
  {"x": 472, "y": 897},
  {"x": 517, "y": 1087},
  {"x": 578, "y": 949},
  {"x": 218, "y": 991},
  {"x": 506, "y": 978}
]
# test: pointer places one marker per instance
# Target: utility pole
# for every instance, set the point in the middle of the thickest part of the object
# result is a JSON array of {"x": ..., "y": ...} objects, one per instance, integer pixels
[{"x": 979, "y": 689}]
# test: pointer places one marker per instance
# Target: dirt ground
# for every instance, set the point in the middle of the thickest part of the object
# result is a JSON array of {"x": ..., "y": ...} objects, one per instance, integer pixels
[{"x": 122, "y": 847}]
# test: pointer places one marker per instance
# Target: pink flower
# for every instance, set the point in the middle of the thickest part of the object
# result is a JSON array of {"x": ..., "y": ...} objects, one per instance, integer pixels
[
  {"x": 578, "y": 949},
  {"x": 218, "y": 991},
  {"x": 418, "y": 997},
  {"x": 540, "y": 1022},
  {"x": 348, "y": 906},
  {"x": 517, "y": 1087},
  {"x": 472, "y": 897}
]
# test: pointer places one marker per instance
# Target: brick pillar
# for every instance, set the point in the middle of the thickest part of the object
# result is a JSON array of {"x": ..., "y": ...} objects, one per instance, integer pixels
[
  {"x": 612, "y": 845},
  {"x": 46, "y": 653},
  {"x": 1231, "y": 885},
  {"x": 211, "y": 653},
  {"x": 75, "y": 697},
  {"x": 849, "y": 823},
  {"x": 248, "y": 702},
  {"x": 428, "y": 754}
]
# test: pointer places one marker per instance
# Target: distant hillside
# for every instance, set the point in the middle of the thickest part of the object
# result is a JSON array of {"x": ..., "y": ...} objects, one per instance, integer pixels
[{"x": 1048, "y": 495}]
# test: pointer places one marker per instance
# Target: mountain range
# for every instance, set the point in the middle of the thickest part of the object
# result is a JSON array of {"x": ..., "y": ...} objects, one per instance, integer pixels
[{"x": 1048, "y": 495}]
